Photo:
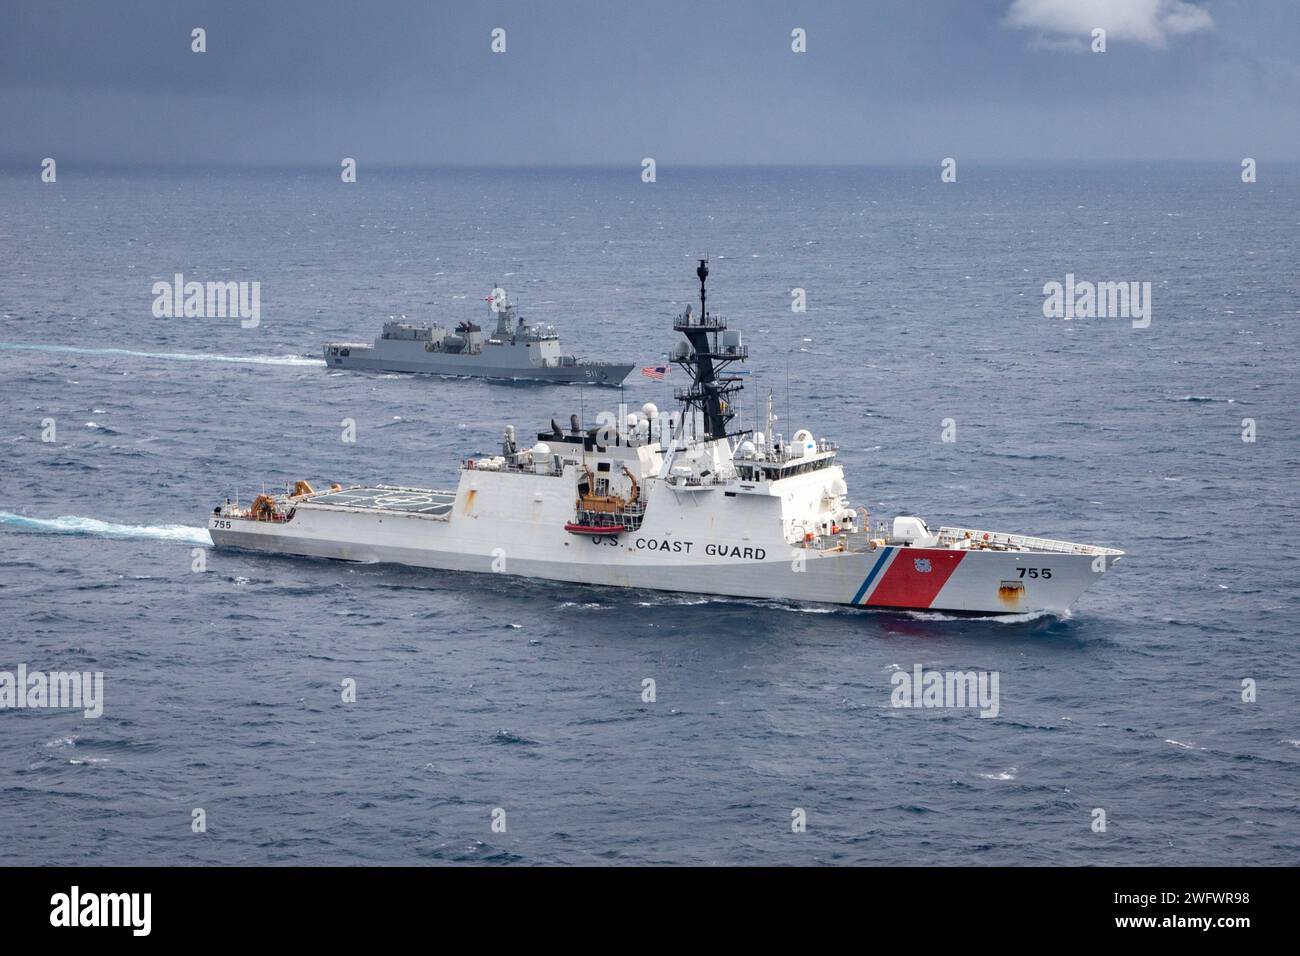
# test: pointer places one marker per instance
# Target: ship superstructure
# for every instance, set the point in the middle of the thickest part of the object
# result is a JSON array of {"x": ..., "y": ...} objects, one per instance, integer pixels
[
  {"x": 674, "y": 502},
  {"x": 516, "y": 350}
]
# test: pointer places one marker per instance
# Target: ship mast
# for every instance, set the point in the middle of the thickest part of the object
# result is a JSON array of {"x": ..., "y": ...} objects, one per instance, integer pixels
[{"x": 706, "y": 358}]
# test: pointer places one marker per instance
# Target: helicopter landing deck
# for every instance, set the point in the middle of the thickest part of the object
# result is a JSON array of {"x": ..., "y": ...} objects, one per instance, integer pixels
[{"x": 387, "y": 498}]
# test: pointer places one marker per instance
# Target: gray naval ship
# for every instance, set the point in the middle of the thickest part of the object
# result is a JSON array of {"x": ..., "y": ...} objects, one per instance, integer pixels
[{"x": 516, "y": 350}]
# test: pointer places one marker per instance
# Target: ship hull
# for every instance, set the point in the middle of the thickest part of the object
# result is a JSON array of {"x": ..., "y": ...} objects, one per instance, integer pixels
[
  {"x": 892, "y": 577},
  {"x": 583, "y": 374}
]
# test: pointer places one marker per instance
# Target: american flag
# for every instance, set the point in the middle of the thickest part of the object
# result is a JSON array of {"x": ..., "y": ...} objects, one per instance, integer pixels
[{"x": 656, "y": 372}]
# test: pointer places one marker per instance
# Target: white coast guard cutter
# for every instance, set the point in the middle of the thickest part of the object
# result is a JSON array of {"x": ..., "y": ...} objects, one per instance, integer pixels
[{"x": 673, "y": 503}]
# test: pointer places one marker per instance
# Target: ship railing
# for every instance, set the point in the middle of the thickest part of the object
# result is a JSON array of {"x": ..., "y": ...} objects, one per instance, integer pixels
[
  {"x": 509, "y": 467},
  {"x": 423, "y": 491},
  {"x": 695, "y": 481},
  {"x": 949, "y": 536},
  {"x": 845, "y": 539},
  {"x": 629, "y": 517},
  {"x": 730, "y": 353},
  {"x": 709, "y": 323},
  {"x": 786, "y": 454},
  {"x": 720, "y": 386},
  {"x": 636, "y": 509},
  {"x": 278, "y": 517}
]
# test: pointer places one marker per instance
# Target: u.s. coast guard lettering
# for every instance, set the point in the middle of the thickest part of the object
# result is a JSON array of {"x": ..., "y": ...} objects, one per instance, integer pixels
[
  {"x": 686, "y": 501},
  {"x": 735, "y": 551},
  {"x": 654, "y": 544},
  {"x": 687, "y": 547}
]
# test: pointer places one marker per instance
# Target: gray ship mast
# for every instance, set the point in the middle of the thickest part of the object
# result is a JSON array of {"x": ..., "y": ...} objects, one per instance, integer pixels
[{"x": 505, "y": 311}]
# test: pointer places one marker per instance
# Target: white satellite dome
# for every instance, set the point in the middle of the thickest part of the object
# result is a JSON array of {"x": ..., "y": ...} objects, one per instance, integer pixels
[
  {"x": 650, "y": 410},
  {"x": 803, "y": 442},
  {"x": 541, "y": 450}
]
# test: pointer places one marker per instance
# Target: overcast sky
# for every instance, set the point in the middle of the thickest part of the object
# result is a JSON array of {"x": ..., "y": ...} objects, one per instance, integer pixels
[{"x": 608, "y": 81}]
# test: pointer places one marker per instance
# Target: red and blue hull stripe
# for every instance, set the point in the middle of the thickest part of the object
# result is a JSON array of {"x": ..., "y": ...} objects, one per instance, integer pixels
[{"x": 907, "y": 577}]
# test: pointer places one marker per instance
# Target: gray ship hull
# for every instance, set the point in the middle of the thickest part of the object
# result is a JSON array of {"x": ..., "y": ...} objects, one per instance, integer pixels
[
  {"x": 473, "y": 367},
  {"x": 515, "y": 351}
]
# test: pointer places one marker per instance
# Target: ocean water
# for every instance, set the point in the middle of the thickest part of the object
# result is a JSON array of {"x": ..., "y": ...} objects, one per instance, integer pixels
[{"x": 222, "y": 688}]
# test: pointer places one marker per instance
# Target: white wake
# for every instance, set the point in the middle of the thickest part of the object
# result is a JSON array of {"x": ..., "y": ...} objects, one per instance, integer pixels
[
  {"x": 172, "y": 356},
  {"x": 94, "y": 528}
]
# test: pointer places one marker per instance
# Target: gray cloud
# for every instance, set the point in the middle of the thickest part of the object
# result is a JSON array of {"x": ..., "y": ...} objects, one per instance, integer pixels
[
  {"x": 1145, "y": 21},
  {"x": 684, "y": 81}
]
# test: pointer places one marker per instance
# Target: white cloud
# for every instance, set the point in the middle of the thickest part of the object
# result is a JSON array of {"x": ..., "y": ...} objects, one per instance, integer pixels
[{"x": 1144, "y": 21}]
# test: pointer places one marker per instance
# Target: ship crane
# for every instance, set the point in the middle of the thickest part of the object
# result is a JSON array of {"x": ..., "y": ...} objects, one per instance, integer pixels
[{"x": 607, "y": 514}]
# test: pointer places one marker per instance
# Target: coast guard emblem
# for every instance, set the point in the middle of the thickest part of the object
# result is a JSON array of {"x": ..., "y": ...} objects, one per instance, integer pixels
[{"x": 922, "y": 565}]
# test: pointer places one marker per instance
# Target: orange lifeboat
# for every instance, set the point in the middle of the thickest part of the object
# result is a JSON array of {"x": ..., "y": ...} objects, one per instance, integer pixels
[{"x": 574, "y": 527}]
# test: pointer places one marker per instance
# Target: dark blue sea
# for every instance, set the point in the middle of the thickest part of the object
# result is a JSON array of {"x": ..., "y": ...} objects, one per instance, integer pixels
[{"x": 222, "y": 688}]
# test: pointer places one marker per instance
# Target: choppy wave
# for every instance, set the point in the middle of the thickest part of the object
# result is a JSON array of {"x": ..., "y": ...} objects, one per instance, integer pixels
[
  {"x": 94, "y": 528},
  {"x": 172, "y": 356},
  {"x": 1023, "y": 618},
  {"x": 1008, "y": 774},
  {"x": 507, "y": 736}
]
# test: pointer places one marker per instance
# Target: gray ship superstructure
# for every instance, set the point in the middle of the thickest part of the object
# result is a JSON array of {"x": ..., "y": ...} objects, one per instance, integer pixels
[{"x": 516, "y": 350}]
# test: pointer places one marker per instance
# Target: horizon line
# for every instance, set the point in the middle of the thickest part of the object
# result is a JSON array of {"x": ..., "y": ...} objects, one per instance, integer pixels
[{"x": 34, "y": 162}]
